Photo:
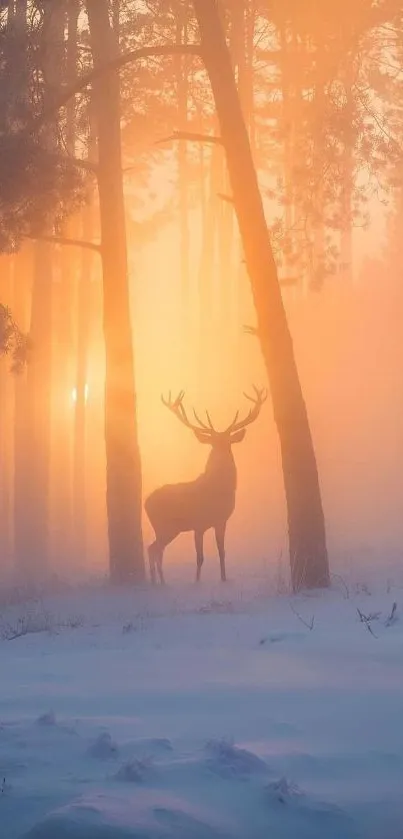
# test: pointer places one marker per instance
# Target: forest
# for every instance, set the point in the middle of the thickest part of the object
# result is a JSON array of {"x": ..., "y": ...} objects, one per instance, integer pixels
[
  {"x": 180, "y": 211},
  {"x": 201, "y": 219}
]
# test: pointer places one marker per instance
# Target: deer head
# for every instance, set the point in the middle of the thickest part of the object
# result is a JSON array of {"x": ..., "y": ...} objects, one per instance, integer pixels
[{"x": 205, "y": 431}]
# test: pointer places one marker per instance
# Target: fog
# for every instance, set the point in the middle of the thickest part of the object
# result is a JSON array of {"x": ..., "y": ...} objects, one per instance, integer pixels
[
  {"x": 347, "y": 340},
  {"x": 330, "y": 179}
]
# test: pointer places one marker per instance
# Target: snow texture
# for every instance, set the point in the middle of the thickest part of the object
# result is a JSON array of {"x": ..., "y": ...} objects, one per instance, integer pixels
[{"x": 221, "y": 713}]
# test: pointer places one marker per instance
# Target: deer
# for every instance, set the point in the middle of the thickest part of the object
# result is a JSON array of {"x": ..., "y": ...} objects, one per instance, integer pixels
[{"x": 207, "y": 502}]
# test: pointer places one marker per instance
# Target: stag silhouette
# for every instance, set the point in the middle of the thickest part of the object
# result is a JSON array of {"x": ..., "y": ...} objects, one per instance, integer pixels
[{"x": 207, "y": 502}]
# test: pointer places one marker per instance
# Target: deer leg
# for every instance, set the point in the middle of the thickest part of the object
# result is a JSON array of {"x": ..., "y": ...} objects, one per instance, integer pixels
[
  {"x": 159, "y": 566},
  {"x": 151, "y": 560},
  {"x": 199, "y": 552},
  {"x": 220, "y": 540},
  {"x": 155, "y": 555}
]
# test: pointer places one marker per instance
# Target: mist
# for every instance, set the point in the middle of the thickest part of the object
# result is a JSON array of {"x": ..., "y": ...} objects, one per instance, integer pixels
[
  {"x": 201, "y": 413},
  {"x": 328, "y": 171}
]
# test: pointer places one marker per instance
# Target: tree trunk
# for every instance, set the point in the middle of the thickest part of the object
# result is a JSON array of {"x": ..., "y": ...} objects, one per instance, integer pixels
[
  {"x": 124, "y": 482},
  {"x": 346, "y": 236},
  {"x": 35, "y": 516},
  {"x": 39, "y": 415},
  {"x": 6, "y": 425},
  {"x": 307, "y": 538},
  {"x": 23, "y": 271},
  {"x": 82, "y": 390},
  {"x": 63, "y": 330},
  {"x": 84, "y": 319},
  {"x": 182, "y": 162}
]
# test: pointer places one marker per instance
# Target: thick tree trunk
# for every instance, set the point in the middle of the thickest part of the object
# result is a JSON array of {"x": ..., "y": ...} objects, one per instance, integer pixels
[
  {"x": 124, "y": 484},
  {"x": 307, "y": 538}
]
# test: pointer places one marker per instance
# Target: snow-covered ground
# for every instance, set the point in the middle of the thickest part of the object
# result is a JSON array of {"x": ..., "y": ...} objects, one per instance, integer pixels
[{"x": 223, "y": 711}]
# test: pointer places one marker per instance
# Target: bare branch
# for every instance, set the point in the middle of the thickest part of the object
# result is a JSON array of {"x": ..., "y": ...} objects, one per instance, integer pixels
[
  {"x": 61, "y": 240},
  {"x": 366, "y": 619},
  {"x": 191, "y": 137},
  {"x": 393, "y": 616},
  {"x": 81, "y": 163}
]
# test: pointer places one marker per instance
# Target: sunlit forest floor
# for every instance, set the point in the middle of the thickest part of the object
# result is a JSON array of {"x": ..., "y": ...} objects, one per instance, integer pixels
[{"x": 191, "y": 713}]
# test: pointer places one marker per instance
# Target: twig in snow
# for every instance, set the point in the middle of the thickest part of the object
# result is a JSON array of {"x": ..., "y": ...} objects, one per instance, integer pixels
[
  {"x": 309, "y": 625},
  {"x": 393, "y": 616},
  {"x": 342, "y": 580},
  {"x": 366, "y": 619}
]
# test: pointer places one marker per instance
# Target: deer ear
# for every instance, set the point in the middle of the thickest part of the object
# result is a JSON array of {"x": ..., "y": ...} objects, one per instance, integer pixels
[
  {"x": 238, "y": 436},
  {"x": 202, "y": 436}
]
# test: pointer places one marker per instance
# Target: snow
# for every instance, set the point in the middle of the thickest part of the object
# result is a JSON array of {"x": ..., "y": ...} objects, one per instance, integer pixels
[{"x": 198, "y": 713}]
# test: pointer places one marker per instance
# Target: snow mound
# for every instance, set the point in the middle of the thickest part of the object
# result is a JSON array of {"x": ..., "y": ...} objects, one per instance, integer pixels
[
  {"x": 133, "y": 771},
  {"x": 230, "y": 761},
  {"x": 306, "y": 816},
  {"x": 284, "y": 792},
  {"x": 113, "y": 817},
  {"x": 103, "y": 747},
  {"x": 48, "y": 719}
]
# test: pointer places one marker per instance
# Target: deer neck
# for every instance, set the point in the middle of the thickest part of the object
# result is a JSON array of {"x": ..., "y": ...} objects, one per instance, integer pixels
[{"x": 221, "y": 469}]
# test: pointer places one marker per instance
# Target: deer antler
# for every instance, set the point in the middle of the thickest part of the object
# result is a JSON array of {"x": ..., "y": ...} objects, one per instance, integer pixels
[
  {"x": 177, "y": 408},
  {"x": 258, "y": 400}
]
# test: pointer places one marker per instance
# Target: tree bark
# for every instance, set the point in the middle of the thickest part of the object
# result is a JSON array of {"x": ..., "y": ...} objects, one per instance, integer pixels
[
  {"x": 307, "y": 538},
  {"x": 124, "y": 481}
]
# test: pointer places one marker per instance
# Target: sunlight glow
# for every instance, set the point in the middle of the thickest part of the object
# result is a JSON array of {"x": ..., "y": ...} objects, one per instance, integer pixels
[{"x": 74, "y": 394}]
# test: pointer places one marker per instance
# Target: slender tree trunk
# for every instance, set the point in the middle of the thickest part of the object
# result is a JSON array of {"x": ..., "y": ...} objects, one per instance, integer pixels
[
  {"x": 82, "y": 390},
  {"x": 6, "y": 425},
  {"x": 63, "y": 328},
  {"x": 39, "y": 400},
  {"x": 318, "y": 261},
  {"x": 307, "y": 539},
  {"x": 124, "y": 483},
  {"x": 23, "y": 272},
  {"x": 208, "y": 270},
  {"x": 288, "y": 125},
  {"x": 84, "y": 394},
  {"x": 346, "y": 237},
  {"x": 41, "y": 329},
  {"x": 182, "y": 14}
]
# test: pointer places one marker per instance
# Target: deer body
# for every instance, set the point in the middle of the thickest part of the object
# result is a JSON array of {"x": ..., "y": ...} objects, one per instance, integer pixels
[
  {"x": 200, "y": 505},
  {"x": 196, "y": 505}
]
